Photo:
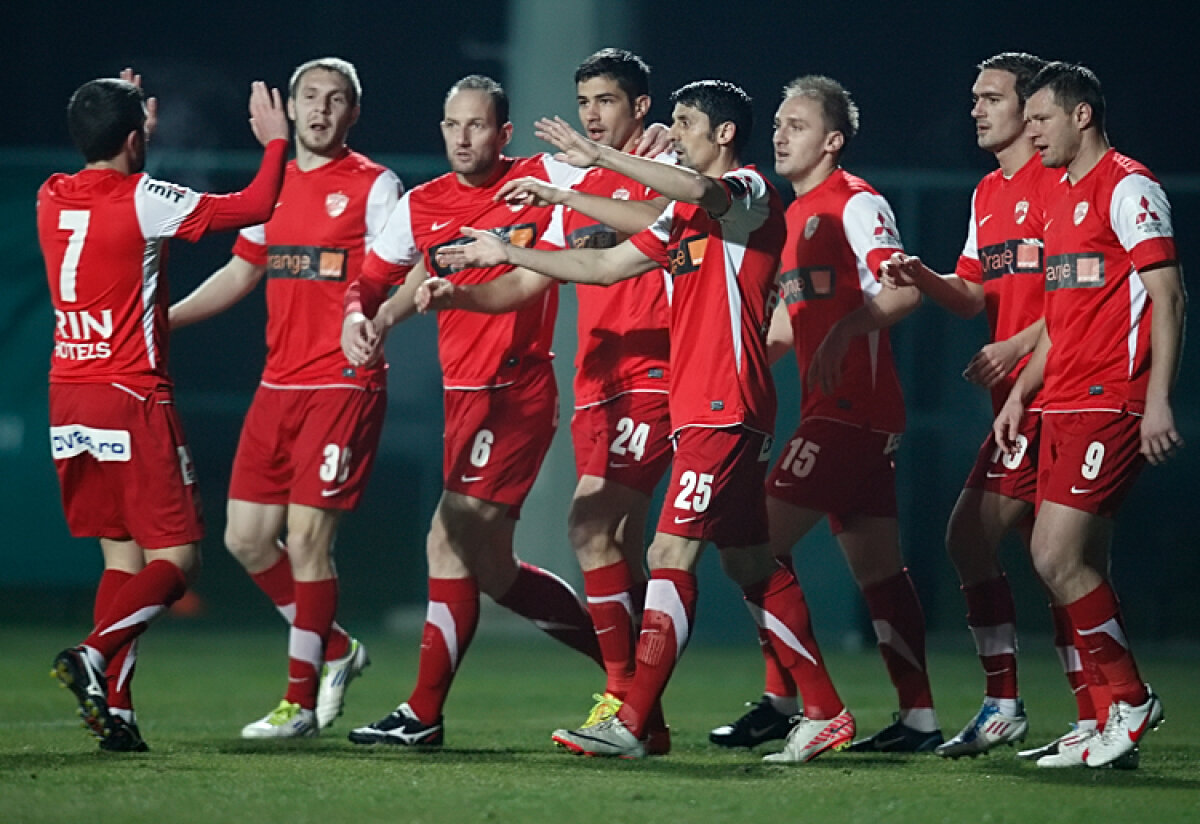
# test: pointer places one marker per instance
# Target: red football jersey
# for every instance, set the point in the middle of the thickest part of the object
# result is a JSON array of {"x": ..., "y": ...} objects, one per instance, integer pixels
[
  {"x": 313, "y": 248},
  {"x": 723, "y": 283},
  {"x": 1003, "y": 252},
  {"x": 624, "y": 345},
  {"x": 103, "y": 237},
  {"x": 1099, "y": 233},
  {"x": 477, "y": 351},
  {"x": 839, "y": 234}
]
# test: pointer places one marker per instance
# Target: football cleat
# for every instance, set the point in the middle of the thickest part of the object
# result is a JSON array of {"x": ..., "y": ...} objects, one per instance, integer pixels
[
  {"x": 762, "y": 723},
  {"x": 401, "y": 728},
  {"x": 74, "y": 670},
  {"x": 123, "y": 736},
  {"x": 336, "y": 676},
  {"x": 1124, "y": 729},
  {"x": 608, "y": 738},
  {"x": 1035, "y": 753},
  {"x": 989, "y": 728},
  {"x": 288, "y": 720},
  {"x": 898, "y": 737},
  {"x": 605, "y": 708},
  {"x": 811, "y": 737},
  {"x": 1071, "y": 751}
]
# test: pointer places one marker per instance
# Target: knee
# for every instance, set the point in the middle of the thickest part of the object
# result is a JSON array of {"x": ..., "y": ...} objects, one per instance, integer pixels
[{"x": 252, "y": 551}]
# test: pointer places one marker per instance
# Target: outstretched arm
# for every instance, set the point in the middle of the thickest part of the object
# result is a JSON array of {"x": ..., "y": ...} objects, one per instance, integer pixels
[
  {"x": 509, "y": 292},
  {"x": 626, "y": 216},
  {"x": 672, "y": 182},
  {"x": 962, "y": 297},
  {"x": 602, "y": 267},
  {"x": 222, "y": 289}
]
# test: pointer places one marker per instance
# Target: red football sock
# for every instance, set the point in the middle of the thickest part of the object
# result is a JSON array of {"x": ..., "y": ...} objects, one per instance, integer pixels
[
  {"x": 1100, "y": 632},
  {"x": 277, "y": 582},
  {"x": 992, "y": 618},
  {"x": 778, "y": 681},
  {"x": 120, "y": 667},
  {"x": 316, "y": 604},
  {"x": 143, "y": 598},
  {"x": 778, "y": 607},
  {"x": 1064, "y": 645},
  {"x": 554, "y": 608},
  {"x": 450, "y": 623},
  {"x": 666, "y": 627},
  {"x": 900, "y": 629},
  {"x": 610, "y": 604}
]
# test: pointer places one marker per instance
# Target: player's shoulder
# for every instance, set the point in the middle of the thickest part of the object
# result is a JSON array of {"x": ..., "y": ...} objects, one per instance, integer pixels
[
  {"x": 358, "y": 163},
  {"x": 1119, "y": 166},
  {"x": 852, "y": 184}
]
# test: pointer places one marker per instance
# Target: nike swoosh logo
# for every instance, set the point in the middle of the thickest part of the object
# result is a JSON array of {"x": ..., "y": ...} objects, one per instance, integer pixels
[
  {"x": 469, "y": 478},
  {"x": 882, "y": 744},
  {"x": 437, "y": 226},
  {"x": 679, "y": 520},
  {"x": 1046, "y": 225},
  {"x": 782, "y": 484},
  {"x": 1077, "y": 491},
  {"x": 1136, "y": 735},
  {"x": 604, "y": 630},
  {"x": 997, "y": 474},
  {"x": 328, "y": 493},
  {"x": 614, "y": 465},
  {"x": 984, "y": 219}
]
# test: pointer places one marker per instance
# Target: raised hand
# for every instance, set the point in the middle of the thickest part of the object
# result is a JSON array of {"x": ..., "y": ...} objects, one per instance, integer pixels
[
  {"x": 530, "y": 191},
  {"x": 268, "y": 118},
  {"x": 130, "y": 76},
  {"x": 655, "y": 140},
  {"x": 572, "y": 147}
]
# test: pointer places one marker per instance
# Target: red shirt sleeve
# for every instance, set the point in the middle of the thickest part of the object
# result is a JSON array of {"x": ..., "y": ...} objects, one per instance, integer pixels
[{"x": 252, "y": 205}]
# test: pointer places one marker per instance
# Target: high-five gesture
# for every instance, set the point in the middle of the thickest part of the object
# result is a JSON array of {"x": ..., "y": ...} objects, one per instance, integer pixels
[
  {"x": 129, "y": 76},
  {"x": 268, "y": 118}
]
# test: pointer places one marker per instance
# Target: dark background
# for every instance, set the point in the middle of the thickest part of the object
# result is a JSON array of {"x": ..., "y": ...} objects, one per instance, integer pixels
[{"x": 909, "y": 67}]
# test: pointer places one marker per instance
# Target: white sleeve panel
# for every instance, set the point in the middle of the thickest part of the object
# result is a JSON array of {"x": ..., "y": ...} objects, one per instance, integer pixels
[
  {"x": 749, "y": 202},
  {"x": 255, "y": 234},
  {"x": 661, "y": 227},
  {"x": 395, "y": 242},
  {"x": 555, "y": 234},
  {"x": 870, "y": 225},
  {"x": 971, "y": 247},
  {"x": 162, "y": 207},
  {"x": 1140, "y": 211},
  {"x": 381, "y": 200},
  {"x": 560, "y": 173}
]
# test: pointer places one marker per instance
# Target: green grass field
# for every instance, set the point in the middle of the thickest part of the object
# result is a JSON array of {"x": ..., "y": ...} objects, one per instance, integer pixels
[{"x": 195, "y": 688}]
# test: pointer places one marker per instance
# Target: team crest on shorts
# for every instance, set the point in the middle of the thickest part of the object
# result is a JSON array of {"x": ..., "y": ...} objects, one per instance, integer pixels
[
  {"x": 1021, "y": 212},
  {"x": 810, "y": 227},
  {"x": 336, "y": 203},
  {"x": 621, "y": 194},
  {"x": 1081, "y": 210}
]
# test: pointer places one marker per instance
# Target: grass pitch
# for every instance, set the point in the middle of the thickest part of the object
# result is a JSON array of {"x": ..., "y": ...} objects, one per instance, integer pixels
[{"x": 196, "y": 688}]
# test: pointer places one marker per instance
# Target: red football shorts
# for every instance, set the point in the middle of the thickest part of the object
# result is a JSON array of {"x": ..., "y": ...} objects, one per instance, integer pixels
[
  {"x": 1013, "y": 476},
  {"x": 496, "y": 439},
  {"x": 626, "y": 439},
  {"x": 1089, "y": 460},
  {"x": 123, "y": 465},
  {"x": 716, "y": 489},
  {"x": 837, "y": 468},
  {"x": 313, "y": 447}
]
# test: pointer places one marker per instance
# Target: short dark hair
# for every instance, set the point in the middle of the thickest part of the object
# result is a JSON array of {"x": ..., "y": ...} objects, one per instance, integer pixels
[
  {"x": 101, "y": 114},
  {"x": 485, "y": 84},
  {"x": 838, "y": 110},
  {"x": 630, "y": 71},
  {"x": 1071, "y": 84},
  {"x": 330, "y": 64},
  {"x": 723, "y": 102},
  {"x": 1021, "y": 65}
]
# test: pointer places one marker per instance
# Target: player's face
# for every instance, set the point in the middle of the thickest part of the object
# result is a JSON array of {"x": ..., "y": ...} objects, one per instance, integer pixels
[
  {"x": 607, "y": 114},
  {"x": 693, "y": 138},
  {"x": 322, "y": 111},
  {"x": 473, "y": 138},
  {"x": 801, "y": 139},
  {"x": 1052, "y": 129},
  {"x": 997, "y": 110}
]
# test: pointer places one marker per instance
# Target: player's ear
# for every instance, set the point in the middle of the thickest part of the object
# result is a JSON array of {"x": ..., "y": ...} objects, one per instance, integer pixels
[
  {"x": 291, "y": 109},
  {"x": 354, "y": 114},
  {"x": 834, "y": 141},
  {"x": 641, "y": 106},
  {"x": 506, "y": 132},
  {"x": 134, "y": 142},
  {"x": 1082, "y": 115},
  {"x": 725, "y": 132}
]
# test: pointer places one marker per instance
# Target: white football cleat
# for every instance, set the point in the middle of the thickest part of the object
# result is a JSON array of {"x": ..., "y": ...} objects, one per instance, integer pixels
[
  {"x": 989, "y": 728},
  {"x": 288, "y": 720},
  {"x": 336, "y": 676},
  {"x": 811, "y": 737},
  {"x": 1124, "y": 729},
  {"x": 609, "y": 737}
]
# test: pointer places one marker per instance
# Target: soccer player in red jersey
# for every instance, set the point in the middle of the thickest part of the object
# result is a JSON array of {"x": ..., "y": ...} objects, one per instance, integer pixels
[
  {"x": 720, "y": 239},
  {"x": 122, "y": 460},
  {"x": 999, "y": 272},
  {"x": 501, "y": 402},
  {"x": 621, "y": 426},
  {"x": 839, "y": 463},
  {"x": 1105, "y": 362},
  {"x": 312, "y": 431}
]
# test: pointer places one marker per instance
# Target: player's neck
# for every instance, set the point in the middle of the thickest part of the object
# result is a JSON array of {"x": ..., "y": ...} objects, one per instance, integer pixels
[
  {"x": 307, "y": 160},
  {"x": 120, "y": 163},
  {"x": 632, "y": 142},
  {"x": 806, "y": 183},
  {"x": 1093, "y": 147},
  {"x": 1013, "y": 157}
]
